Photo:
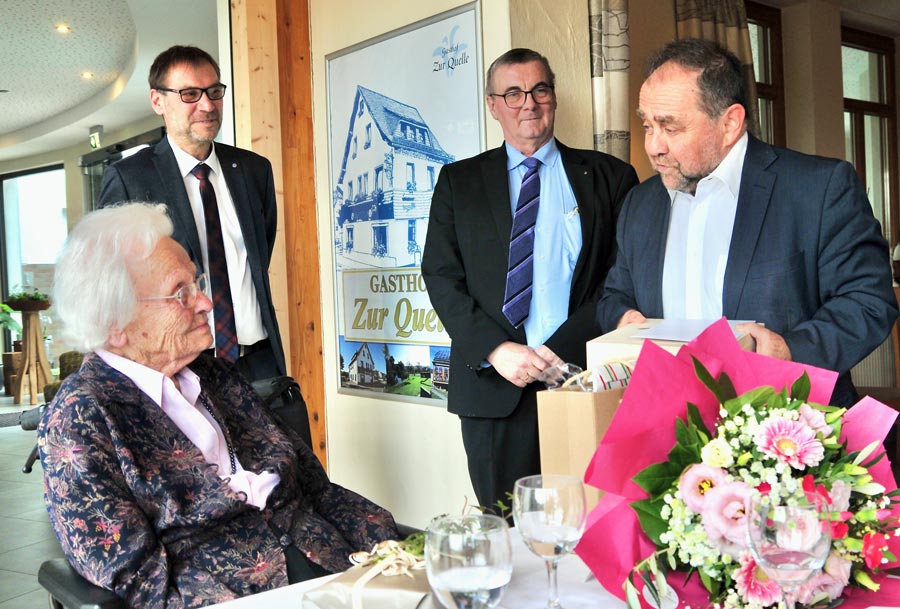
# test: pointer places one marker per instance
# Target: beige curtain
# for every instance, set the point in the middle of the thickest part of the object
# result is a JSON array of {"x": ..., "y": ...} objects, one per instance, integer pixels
[
  {"x": 724, "y": 21},
  {"x": 610, "y": 63}
]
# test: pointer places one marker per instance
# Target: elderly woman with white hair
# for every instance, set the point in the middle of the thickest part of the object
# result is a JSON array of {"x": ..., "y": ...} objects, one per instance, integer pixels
[{"x": 165, "y": 479}]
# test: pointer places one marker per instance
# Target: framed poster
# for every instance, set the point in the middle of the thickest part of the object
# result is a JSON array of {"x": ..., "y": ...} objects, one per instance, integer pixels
[{"x": 399, "y": 107}]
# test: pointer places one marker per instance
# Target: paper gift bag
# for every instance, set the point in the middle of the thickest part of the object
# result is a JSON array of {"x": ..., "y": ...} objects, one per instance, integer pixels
[{"x": 571, "y": 424}]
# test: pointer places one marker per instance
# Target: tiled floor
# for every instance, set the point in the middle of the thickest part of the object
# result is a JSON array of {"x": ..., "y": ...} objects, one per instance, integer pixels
[{"x": 26, "y": 539}]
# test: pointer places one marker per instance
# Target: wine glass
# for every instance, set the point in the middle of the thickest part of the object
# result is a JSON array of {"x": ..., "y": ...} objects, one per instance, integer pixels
[
  {"x": 468, "y": 560},
  {"x": 789, "y": 539},
  {"x": 549, "y": 511}
]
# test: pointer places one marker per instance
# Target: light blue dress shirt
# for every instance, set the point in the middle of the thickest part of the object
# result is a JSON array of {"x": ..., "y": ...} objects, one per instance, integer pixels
[{"x": 557, "y": 240}]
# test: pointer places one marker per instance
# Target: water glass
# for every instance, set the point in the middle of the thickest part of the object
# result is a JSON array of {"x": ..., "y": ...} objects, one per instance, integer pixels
[
  {"x": 468, "y": 560},
  {"x": 550, "y": 512},
  {"x": 789, "y": 540}
]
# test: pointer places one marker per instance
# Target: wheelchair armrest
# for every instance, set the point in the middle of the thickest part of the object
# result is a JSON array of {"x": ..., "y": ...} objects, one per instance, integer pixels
[{"x": 73, "y": 591}]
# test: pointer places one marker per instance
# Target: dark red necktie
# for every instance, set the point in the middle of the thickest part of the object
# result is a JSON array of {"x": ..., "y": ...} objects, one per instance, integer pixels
[{"x": 223, "y": 306}]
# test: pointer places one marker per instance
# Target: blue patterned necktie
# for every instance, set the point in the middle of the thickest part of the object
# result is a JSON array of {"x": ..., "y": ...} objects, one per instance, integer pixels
[
  {"x": 520, "y": 270},
  {"x": 223, "y": 306}
]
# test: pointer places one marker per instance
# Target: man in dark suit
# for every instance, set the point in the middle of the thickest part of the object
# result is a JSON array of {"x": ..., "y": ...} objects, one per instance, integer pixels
[
  {"x": 506, "y": 330},
  {"x": 236, "y": 242},
  {"x": 732, "y": 226}
]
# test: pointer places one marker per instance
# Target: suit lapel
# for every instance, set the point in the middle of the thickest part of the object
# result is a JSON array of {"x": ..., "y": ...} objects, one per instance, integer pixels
[
  {"x": 753, "y": 201},
  {"x": 233, "y": 171},
  {"x": 176, "y": 198},
  {"x": 496, "y": 193}
]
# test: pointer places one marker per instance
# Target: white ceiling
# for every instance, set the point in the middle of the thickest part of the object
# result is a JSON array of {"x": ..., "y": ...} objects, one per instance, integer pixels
[{"x": 49, "y": 106}]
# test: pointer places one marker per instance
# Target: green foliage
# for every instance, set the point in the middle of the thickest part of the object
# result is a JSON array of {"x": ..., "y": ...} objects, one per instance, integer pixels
[
  {"x": 22, "y": 295},
  {"x": 7, "y": 321}
]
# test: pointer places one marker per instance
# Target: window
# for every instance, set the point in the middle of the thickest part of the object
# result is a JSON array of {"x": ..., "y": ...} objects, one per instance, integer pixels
[
  {"x": 430, "y": 178},
  {"x": 368, "y": 136},
  {"x": 379, "y": 177},
  {"x": 410, "y": 176},
  {"x": 867, "y": 62},
  {"x": 764, "y": 23},
  {"x": 34, "y": 228},
  {"x": 354, "y": 146}
]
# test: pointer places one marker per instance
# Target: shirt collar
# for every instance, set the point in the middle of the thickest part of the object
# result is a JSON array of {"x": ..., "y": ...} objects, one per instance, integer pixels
[
  {"x": 187, "y": 162},
  {"x": 729, "y": 170},
  {"x": 548, "y": 154},
  {"x": 157, "y": 386}
]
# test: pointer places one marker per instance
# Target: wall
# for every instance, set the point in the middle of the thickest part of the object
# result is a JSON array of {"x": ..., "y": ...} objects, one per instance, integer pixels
[
  {"x": 69, "y": 158},
  {"x": 813, "y": 90}
]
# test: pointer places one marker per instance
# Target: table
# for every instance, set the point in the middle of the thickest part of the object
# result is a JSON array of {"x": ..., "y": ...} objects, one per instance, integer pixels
[{"x": 527, "y": 590}]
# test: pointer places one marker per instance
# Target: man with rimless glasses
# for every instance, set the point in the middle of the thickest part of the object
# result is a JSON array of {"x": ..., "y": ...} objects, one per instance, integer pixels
[
  {"x": 519, "y": 242},
  {"x": 221, "y": 200}
]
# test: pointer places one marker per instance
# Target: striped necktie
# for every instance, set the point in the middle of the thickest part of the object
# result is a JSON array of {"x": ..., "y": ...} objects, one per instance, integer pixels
[
  {"x": 520, "y": 273},
  {"x": 223, "y": 306}
]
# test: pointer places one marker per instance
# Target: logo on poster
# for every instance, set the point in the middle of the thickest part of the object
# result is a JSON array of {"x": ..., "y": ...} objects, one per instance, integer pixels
[{"x": 450, "y": 54}]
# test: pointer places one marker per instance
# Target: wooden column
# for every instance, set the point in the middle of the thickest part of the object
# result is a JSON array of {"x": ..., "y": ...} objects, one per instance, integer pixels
[
  {"x": 301, "y": 224},
  {"x": 34, "y": 361},
  {"x": 273, "y": 116}
]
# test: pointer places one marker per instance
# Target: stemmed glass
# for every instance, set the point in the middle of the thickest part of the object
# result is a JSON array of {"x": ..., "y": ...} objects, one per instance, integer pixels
[
  {"x": 468, "y": 560},
  {"x": 550, "y": 511},
  {"x": 789, "y": 539}
]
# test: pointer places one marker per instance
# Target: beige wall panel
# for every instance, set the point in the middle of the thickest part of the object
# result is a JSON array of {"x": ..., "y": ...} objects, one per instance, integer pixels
[
  {"x": 652, "y": 26},
  {"x": 559, "y": 31},
  {"x": 813, "y": 89}
]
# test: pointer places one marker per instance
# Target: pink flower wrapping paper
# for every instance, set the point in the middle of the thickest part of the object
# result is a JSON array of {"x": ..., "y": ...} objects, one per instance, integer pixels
[{"x": 643, "y": 431}]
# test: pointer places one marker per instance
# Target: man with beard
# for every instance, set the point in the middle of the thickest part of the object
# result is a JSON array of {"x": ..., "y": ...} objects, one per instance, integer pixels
[
  {"x": 221, "y": 200},
  {"x": 734, "y": 227}
]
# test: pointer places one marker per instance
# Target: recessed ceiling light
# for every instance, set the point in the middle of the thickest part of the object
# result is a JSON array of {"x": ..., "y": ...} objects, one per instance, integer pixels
[
  {"x": 87, "y": 75},
  {"x": 62, "y": 28}
]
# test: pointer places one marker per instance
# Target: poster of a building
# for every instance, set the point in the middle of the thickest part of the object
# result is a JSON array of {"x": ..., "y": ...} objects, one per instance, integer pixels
[{"x": 399, "y": 108}]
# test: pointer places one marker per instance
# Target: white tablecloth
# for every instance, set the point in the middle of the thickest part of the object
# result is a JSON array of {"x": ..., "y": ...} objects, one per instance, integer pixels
[{"x": 527, "y": 590}]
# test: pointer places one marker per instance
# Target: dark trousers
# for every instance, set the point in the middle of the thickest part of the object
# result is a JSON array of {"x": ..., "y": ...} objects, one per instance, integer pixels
[
  {"x": 257, "y": 362},
  {"x": 500, "y": 451}
]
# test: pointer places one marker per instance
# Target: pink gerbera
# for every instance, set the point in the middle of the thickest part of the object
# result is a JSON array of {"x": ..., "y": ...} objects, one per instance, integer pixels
[
  {"x": 791, "y": 442},
  {"x": 754, "y": 585}
]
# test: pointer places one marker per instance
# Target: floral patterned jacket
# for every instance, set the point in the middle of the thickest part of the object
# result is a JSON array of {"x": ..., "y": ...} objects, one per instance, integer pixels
[{"x": 138, "y": 510}]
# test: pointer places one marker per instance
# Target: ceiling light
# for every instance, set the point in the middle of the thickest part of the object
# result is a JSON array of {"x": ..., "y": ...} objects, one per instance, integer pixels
[
  {"x": 87, "y": 75},
  {"x": 62, "y": 28}
]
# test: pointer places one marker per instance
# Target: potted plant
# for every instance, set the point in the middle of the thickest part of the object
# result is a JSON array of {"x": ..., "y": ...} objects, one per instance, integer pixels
[
  {"x": 34, "y": 300},
  {"x": 7, "y": 322}
]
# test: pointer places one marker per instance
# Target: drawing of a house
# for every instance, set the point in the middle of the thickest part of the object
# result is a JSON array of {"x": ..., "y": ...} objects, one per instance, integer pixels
[
  {"x": 362, "y": 366},
  {"x": 383, "y": 192}
]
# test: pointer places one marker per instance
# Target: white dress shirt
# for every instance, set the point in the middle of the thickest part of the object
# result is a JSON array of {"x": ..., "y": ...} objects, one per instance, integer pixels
[
  {"x": 247, "y": 315},
  {"x": 699, "y": 240},
  {"x": 557, "y": 240}
]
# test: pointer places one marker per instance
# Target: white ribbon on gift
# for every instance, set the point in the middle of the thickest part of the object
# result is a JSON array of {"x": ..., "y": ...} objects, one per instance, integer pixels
[{"x": 388, "y": 558}]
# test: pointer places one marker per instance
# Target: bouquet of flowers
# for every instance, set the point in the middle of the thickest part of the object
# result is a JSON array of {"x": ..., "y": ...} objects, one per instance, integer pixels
[{"x": 678, "y": 522}]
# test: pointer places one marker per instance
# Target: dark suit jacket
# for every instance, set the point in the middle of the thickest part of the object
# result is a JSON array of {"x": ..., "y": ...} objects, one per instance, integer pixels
[
  {"x": 465, "y": 259},
  {"x": 152, "y": 175},
  {"x": 807, "y": 259}
]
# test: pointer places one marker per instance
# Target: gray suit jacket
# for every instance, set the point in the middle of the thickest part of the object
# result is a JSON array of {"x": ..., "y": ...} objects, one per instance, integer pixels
[
  {"x": 152, "y": 175},
  {"x": 807, "y": 259}
]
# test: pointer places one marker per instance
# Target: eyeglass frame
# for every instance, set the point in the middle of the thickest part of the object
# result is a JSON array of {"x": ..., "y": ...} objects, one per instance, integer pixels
[
  {"x": 199, "y": 97},
  {"x": 195, "y": 287},
  {"x": 525, "y": 95}
]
